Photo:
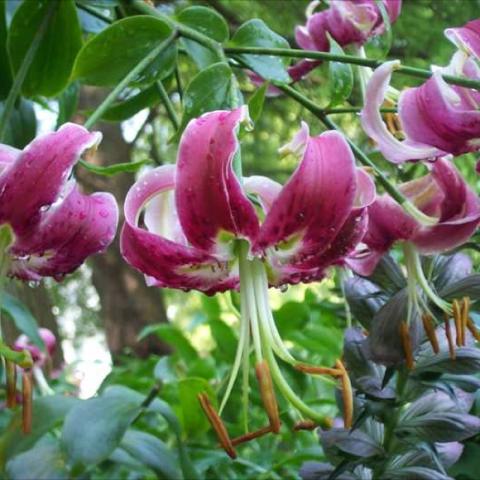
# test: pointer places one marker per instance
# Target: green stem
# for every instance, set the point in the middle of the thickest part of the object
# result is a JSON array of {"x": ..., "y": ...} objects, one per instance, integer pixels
[
  {"x": 22, "y": 72},
  {"x": 101, "y": 109},
  {"x": 141, "y": 7},
  {"x": 366, "y": 62},
  {"x": 333, "y": 111},
  {"x": 167, "y": 103}
]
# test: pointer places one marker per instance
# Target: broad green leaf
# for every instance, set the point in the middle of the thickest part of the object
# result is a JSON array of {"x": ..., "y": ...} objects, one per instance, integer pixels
[
  {"x": 209, "y": 90},
  {"x": 193, "y": 418},
  {"x": 382, "y": 43},
  {"x": 256, "y": 102},
  {"x": 174, "y": 337},
  {"x": 109, "y": 171},
  {"x": 49, "y": 413},
  {"x": 340, "y": 76},
  {"x": 45, "y": 461},
  {"x": 210, "y": 23},
  {"x": 291, "y": 316},
  {"x": 22, "y": 125},
  {"x": 128, "y": 108},
  {"x": 52, "y": 65},
  {"x": 109, "y": 56},
  {"x": 164, "y": 371},
  {"x": 67, "y": 103},
  {"x": 94, "y": 428},
  {"x": 22, "y": 317},
  {"x": 255, "y": 33},
  {"x": 152, "y": 452},
  {"x": 6, "y": 77},
  {"x": 224, "y": 338}
]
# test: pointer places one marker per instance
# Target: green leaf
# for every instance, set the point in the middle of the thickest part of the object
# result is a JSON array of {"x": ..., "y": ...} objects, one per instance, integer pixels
[
  {"x": 6, "y": 77},
  {"x": 109, "y": 171},
  {"x": 67, "y": 103},
  {"x": 174, "y": 337},
  {"x": 164, "y": 371},
  {"x": 52, "y": 64},
  {"x": 43, "y": 462},
  {"x": 256, "y": 102},
  {"x": 255, "y": 33},
  {"x": 49, "y": 413},
  {"x": 340, "y": 76},
  {"x": 224, "y": 338},
  {"x": 209, "y": 90},
  {"x": 152, "y": 452},
  {"x": 94, "y": 428},
  {"x": 383, "y": 42},
  {"x": 109, "y": 56},
  {"x": 22, "y": 317},
  {"x": 193, "y": 418},
  {"x": 210, "y": 23},
  {"x": 128, "y": 108},
  {"x": 290, "y": 317},
  {"x": 22, "y": 126}
]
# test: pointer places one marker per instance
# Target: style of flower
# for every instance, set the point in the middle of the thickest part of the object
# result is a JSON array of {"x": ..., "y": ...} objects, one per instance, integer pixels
[
  {"x": 49, "y": 227},
  {"x": 205, "y": 229},
  {"x": 436, "y": 118}
]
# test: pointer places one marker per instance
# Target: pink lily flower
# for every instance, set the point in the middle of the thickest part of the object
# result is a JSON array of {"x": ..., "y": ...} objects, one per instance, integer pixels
[
  {"x": 38, "y": 356},
  {"x": 443, "y": 194},
  {"x": 54, "y": 226},
  {"x": 204, "y": 229},
  {"x": 466, "y": 38},
  {"x": 436, "y": 118}
]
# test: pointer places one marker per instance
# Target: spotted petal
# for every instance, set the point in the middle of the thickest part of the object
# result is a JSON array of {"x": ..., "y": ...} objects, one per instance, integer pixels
[
  {"x": 209, "y": 197},
  {"x": 168, "y": 263}
]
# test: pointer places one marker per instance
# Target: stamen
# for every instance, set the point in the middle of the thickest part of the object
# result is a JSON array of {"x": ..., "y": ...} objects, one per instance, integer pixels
[
  {"x": 347, "y": 395},
  {"x": 448, "y": 332},
  {"x": 430, "y": 331},
  {"x": 27, "y": 401},
  {"x": 217, "y": 425},
  {"x": 251, "y": 435},
  {"x": 407, "y": 345},
  {"x": 11, "y": 370},
  {"x": 305, "y": 425},
  {"x": 473, "y": 329},
  {"x": 268, "y": 395},
  {"x": 457, "y": 317},
  {"x": 314, "y": 370}
]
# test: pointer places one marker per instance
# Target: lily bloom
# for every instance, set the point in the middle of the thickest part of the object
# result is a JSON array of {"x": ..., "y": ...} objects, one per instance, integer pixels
[
  {"x": 466, "y": 38},
  {"x": 436, "y": 118},
  {"x": 38, "y": 356},
  {"x": 442, "y": 194},
  {"x": 52, "y": 227},
  {"x": 205, "y": 229}
]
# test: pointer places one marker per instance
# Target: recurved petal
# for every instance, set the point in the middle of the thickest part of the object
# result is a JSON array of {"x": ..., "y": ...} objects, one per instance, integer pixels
[
  {"x": 209, "y": 197},
  {"x": 372, "y": 122},
  {"x": 466, "y": 38},
  {"x": 266, "y": 189},
  {"x": 8, "y": 155},
  {"x": 168, "y": 263},
  {"x": 70, "y": 231},
  {"x": 39, "y": 173}
]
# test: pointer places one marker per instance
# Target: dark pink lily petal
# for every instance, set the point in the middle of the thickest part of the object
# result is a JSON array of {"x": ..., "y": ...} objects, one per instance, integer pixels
[
  {"x": 168, "y": 263},
  {"x": 394, "y": 150},
  {"x": 466, "y": 38},
  {"x": 209, "y": 197},
  {"x": 71, "y": 230},
  {"x": 38, "y": 175},
  {"x": 314, "y": 209},
  {"x": 266, "y": 189},
  {"x": 8, "y": 155}
]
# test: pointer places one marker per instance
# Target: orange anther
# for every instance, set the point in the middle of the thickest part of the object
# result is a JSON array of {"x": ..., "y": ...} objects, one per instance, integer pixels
[
  {"x": 448, "y": 332},
  {"x": 314, "y": 370},
  {"x": 430, "y": 331},
  {"x": 251, "y": 435},
  {"x": 347, "y": 395},
  {"x": 407, "y": 345},
  {"x": 305, "y": 425},
  {"x": 11, "y": 371}
]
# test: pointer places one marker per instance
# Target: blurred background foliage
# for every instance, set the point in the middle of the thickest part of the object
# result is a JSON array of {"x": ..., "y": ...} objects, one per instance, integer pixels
[{"x": 201, "y": 331}]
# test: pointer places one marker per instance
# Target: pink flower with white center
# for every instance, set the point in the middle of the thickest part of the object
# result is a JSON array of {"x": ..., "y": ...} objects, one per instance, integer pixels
[
  {"x": 205, "y": 229},
  {"x": 466, "y": 38},
  {"x": 437, "y": 118},
  {"x": 50, "y": 226}
]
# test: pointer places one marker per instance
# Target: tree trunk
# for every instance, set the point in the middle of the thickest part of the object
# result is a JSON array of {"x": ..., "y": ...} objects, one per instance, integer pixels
[{"x": 127, "y": 304}]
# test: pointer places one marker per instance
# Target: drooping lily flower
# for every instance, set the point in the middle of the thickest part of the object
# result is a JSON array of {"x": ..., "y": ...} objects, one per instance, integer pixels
[
  {"x": 53, "y": 226},
  {"x": 466, "y": 38},
  {"x": 436, "y": 118},
  {"x": 442, "y": 194},
  {"x": 204, "y": 229}
]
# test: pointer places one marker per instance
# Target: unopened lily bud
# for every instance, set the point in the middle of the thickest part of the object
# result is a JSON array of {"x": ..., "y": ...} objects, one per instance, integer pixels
[
  {"x": 268, "y": 395},
  {"x": 217, "y": 425},
  {"x": 11, "y": 369},
  {"x": 27, "y": 394},
  {"x": 347, "y": 395}
]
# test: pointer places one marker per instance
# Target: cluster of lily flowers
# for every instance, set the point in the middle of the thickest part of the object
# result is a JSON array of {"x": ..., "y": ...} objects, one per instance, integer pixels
[{"x": 197, "y": 225}]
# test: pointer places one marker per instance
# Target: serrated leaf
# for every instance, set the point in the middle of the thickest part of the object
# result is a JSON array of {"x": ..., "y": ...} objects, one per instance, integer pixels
[
  {"x": 109, "y": 56},
  {"x": 52, "y": 64},
  {"x": 110, "y": 170},
  {"x": 340, "y": 76},
  {"x": 255, "y": 33}
]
